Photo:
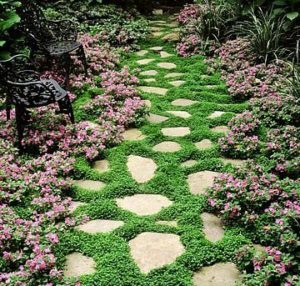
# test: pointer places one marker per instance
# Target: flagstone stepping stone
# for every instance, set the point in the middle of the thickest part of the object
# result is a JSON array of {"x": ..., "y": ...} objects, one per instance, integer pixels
[
  {"x": 158, "y": 12},
  {"x": 165, "y": 55},
  {"x": 141, "y": 169},
  {"x": 152, "y": 250},
  {"x": 90, "y": 185},
  {"x": 144, "y": 204},
  {"x": 177, "y": 83},
  {"x": 216, "y": 114},
  {"x": 157, "y": 34},
  {"x": 154, "y": 118},
  {"x": 172, "y": 37},
  {"x": 74, "y": 205},
  {"x": 155, "y": 90},
  {"x": 100, "y": 226},
  {"x": 145, "y": 62},
  {"x": 199, "y": 182},
  {"x": 156, "y": 29},
  {"x": 189, "y": 163},
  {"x": 101, "y": 166},
  {"x": 167, "y": 66},
  {"x": 176, "y": 131},
  {"x": 174, "y": 74},
  {"x": 183, "y": 102},
  {"x": 78, "y": 265},
  {"x": 219, "y": 274},
  {"x": 234, "y": 162},
  {"x": 156, "y": 49},
  {"x": 204, "y": 144},
  {"x": 181, "y": 114},
  {"x": 167, "y": 147},
  {"x": 150, "y": 80},
  {"x": 212, "y": 227},
  {"x": 133, "y": 134},
  {"x": 142, "y": 53},
  {"x": 147, "y": 102},
  {"x": 221, "y": 129},
  {"x": 157, "y": 22},
  {"x": 172, "y": 223},
  {"x": 149, "y": 73}
]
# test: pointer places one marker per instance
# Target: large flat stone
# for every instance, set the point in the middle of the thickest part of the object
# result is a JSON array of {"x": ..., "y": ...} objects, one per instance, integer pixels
[
  {"x": 189, "y": 163},
  {"x": 220, "y": 274},
  {"x": 176, "y": 131},
  {"x": 165, "y": 55},
  {"x": 177, "y": 83},
  {"x": 216, "y": 114},
  {"x": 212, "y": 227},
  {"x": 199, "y": 182},
  {"x": 174, "y": 74},
  {"x": 144, "y": 204},
  {"x": 152, "y": 250},
  {"x": 220, "y": 129},
  {"x": 183, "y": 102},
  {"x": 157, "y": 34},
  {"x": 74, "y": 205},
  {"x": 133, "y": 134},
  {"x": 181, "y": 114},
  {"x": 156, "y": 119},
  {"x": 149, "y": 73},
  {"x": 154, "y": 90},
  {"x": 167, "y": 66},
  {"x": 142, "y": 169},
  {"x": 172, "y": 223},
  {"x": 101, "y": 166},
  {"x": 156, "y": 49},
  {"x": 90, "y": 185},
  {"x": 100, "y": 226},
  {"x": 204, "y": 144},
  {"x": 150, "y": 80},
  {"x": 78, "y": 265},
  {"x": 156, "y": 29},
  {"x": 172, "y": 37},
  {"x": 145, "y": 62},
  {"x": 167, "y": 147},
  {"x": 142, "y": 53}
]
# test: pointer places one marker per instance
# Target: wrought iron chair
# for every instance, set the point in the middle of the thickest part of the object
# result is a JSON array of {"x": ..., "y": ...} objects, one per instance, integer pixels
[
  {"x": 54, "y": 39},
  {"x": 25, "y": 89}
]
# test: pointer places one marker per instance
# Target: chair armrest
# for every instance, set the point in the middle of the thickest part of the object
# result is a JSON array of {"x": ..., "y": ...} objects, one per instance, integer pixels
[
  {"x": 28, "y": 76},
  {"x": 63, "y": 29}
]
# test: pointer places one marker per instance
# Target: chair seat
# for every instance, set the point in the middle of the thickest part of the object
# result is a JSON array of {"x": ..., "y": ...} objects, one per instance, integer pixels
[{"x": 63, "y": 47}]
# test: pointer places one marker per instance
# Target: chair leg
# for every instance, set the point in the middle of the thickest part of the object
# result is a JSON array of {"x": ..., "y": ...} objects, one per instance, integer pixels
[
  {"x": 67, "y": 64},
  {"x": 83, "y": 60},
  {"x": 8, "y": 108},
  {"x": 20, "y": 111},
  {"x": 65, "y": 106}
]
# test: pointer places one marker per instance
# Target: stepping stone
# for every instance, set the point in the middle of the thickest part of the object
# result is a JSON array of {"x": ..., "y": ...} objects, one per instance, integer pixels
[
  {"x": 174, "y": 74},
  {"x": 156, "y": 29},
  {"x": 177, "y": 83},
  {"x": 133, "y": 134},
  {"x": 145, "y": 62},
  {"x": 204, "y": 144},
  {"x": 234, "y": 162},
  {"x": 219, "y": 274},
  {"x": 157, "y": 34},
  {"x": 220, "y": 129},
  {"x": 143, "y": 205},
  {"x": 78, "y": 265},
  {"x": 183, "y": 102},
  {"x": 149, "y": 73},
  {"x": 156, "y": 49},
  {"x": 141, "y": 169},
  {"x": 172, "y": 37},
  {"x": 167, "y": 66},
  {"x": 74, "y": 205},
  {"x": 172, "y": 25},
  {"x": 154, "y": 118},
  {"x": 155, "y": 90},
  {"x": 172, "y": 223},
  {"x": 100, "y": 226},
  {"x": 147, "y": 102},
  {"x": 90, "y": 185},
  {"x": 181, "y": 114},
  {"x": 176, "y": 131},
  {"x": 165, "y": 55},
  {"x": 216, "y": 114},
  {"x": 189, "y": 163},
  {"x": 142, "y": 53},
  {"x": 167, "y": 147},
  {"x": 199, "y": 182},
  {"x": 158, "y": 12},
  {"x": 212, "y": 227},
  {"x": 101, "y": 166},
  {"x": 152, "y": 250},
  {"x": 150, "y": 80},
  {"x": 157, "y": 22}
]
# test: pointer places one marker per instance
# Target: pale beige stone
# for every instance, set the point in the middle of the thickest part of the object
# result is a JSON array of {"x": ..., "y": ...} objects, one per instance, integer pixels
[
  {"x": 165, "y": 55},
  {"x": 199, "y": 182},
  {"x": 216, "y": 114},
  {"x": 212, "y": 227},
  {"x": 152, "y": 250},
  {"x": 142, "y": 53},
  {"x": 158, "y": 22},
  {"x": 189, "y": 163},
  {"x": 157, "y": 34},
  {"x": 221, "y": 129},
  {"x": 156, "y": 29},
  {"x": 101, "y": 166},
  {"x": 172, "y": 223},
  {"x": 142, "y": 169},
  {"x": 234, "y": 162},
  {"x": 100, "y": 226},
  {"x": 147, "y": 102},
  {"x": 174, "y": 74},
  {"x": 74, "y": 205},
  {"x": 155, "y": 90},
  {"x": 172, "y": 37},
  {"x": 177, "y": 83},
  {"x": 133, "y": 134},
  {"x": 167, "y": 66},
  {"x": 78, "y": 265},
  {"x": 149, "y": 73},
  {"x": 145, "y": 62},
  {"x": 183, "y": 102},
  {"x": 181, "y": 114},
  {"x": 204, "y": 144},
  {"x": 156, "y": 119},
  {"x": 176, "y": 131},
  {"x": 167, "y": 147},
  {"x": 90, "y": 185},
  {"x": 158, "y": 12},
  {"x": 219, "y": 274},
  {"x": 143, "y": 205},
  {"x": 150, "y": 80},
  {"x": 156, "y": 49}
]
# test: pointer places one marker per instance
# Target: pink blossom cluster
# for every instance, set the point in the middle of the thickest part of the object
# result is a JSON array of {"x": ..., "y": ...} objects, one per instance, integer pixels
[{"x": 189, "y": 12}]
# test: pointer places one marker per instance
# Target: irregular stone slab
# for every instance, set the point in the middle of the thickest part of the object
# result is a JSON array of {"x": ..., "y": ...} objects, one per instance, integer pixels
[
  {"x": 199, "y": 182},
  {"x": 183, "y": 102},
  {"x": 167, "y": 66},
  {"x": 74, "y": 205},
  {"x": 156, "y": 29},
  {"x": 167, "y": 147},
  {"x": 204, "y": 144},
  {"x": 172, "y": 25},
  {"x": 142, "y": 53},
  {"x": 149, "y": 73},
  {"x": 172, "y": 223},
  {"x": 165, "y": 55},
  {"x": 133, "y": 134},
  {"x": 147, "y": 102},
  {"x": 158, "y": 22},
  {"x": 156, "y": 49},
  {"x": 176, "y": 131},
  {"x": 150, "y": 80},
  {"x": 142, "y": 169},
  {"x": 221, "y": 129},
  {"x": 152, "y": 250},
  {"x": 101, "y": 166},
  {"x": 219, "y": 274},
  {"x": 158, "y": 12},
  {"x": 172, "y": 37},
  {"x": 234, "y": 162},
  {"x": 174, "y": 74},
  {"x": 156, "y": 119},
  {"x": 90, "y": 185},
  {"x": 181, "y": 114},
  {"x": 212, "y": 227},
  {"x": 78, "y": 265},
  {"x": 216, "y": 114},
  {"x": 144, "y": 204},
  {"x": 145, "y": 61},
  {"x": 157, "y": 34},
  {"x": 189, "y": 163},
  {"x": 100, "y": 226},
  {"x": 177, "y": 83},
  {"x": 155, "y": 90}
]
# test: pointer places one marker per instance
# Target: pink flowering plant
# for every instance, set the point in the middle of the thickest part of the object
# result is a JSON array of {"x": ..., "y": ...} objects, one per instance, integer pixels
[{"x": 188, "y": 13}]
